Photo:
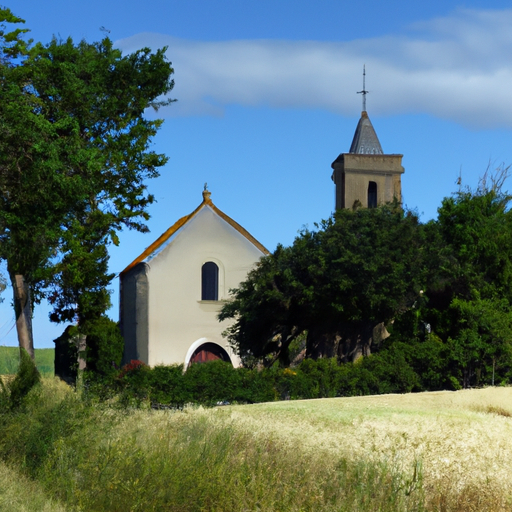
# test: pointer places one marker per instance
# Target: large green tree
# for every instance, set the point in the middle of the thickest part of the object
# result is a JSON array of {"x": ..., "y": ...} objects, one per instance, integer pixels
[
  {"x": 74, "y": 159},
  {"x": 470, "y": 296},
  {"x": 360, "y": 269}
]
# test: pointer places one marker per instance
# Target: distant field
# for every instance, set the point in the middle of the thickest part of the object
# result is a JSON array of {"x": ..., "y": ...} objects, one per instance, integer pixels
[{"x": 9, "y": 360}]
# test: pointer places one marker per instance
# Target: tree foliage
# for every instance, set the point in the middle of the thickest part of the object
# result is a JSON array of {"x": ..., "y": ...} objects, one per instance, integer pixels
[
  {"x": 470, "y": 299},
  {"x": 359, "y": 269},
  {"x": 74, "y": 160},
  {"x": 442, "y": 289}
]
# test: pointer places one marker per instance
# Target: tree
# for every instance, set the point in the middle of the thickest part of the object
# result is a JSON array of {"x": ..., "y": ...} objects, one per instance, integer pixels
[
  {"x": 12, "y": 44},
  {"x": 13, "y": 146},
  {"x": 482, "y": 338},
  {"x": 359, "y": 269},
  {"x": 74, "y": 160},
  {"x": 470, "y": 298}
]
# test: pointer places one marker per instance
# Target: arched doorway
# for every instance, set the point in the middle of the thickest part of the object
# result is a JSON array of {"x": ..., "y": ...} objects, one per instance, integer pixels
[{"x": 209, "y": 352}]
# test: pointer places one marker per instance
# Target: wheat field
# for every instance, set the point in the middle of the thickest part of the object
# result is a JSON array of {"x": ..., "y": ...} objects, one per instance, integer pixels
[
  {"x": 461, "y": 441},
  {"x": 442, "y": 451}
]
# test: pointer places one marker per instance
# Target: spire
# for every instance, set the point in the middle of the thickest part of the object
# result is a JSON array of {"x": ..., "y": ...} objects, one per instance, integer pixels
[
  {"x": 365, "y": 141},
  {"x": 364, "y": 92},
  {"x": 365, "y": 175}
]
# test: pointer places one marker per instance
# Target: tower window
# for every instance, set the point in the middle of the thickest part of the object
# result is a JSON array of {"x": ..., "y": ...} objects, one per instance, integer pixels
[
  {"x": 372, "y": 194},
  {"x": 210, "y": 281}
]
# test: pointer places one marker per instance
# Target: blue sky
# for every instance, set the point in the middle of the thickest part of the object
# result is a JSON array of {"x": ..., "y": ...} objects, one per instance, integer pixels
[{"x": 267, "y": 100}]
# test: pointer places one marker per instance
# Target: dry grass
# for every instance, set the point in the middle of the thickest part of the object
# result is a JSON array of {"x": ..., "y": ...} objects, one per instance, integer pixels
[
  {"x": 458, "y": 441},
  {"x": 461, "y": 439},
  {"x": 445, "y": 451}
]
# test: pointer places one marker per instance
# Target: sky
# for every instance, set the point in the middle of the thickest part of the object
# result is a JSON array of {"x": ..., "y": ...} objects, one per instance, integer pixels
[{"x": 267, "y": 99}]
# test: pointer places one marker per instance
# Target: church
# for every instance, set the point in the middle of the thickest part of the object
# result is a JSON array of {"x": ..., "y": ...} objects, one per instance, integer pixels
[{"x": 171, "y": 294}]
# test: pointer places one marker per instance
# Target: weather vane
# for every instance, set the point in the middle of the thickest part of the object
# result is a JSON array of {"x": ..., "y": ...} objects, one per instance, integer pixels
[{"x": 364, "y": 92}]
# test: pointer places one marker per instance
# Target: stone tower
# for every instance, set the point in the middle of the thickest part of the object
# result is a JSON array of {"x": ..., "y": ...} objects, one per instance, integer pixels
[{"x": 365, "y": 174}]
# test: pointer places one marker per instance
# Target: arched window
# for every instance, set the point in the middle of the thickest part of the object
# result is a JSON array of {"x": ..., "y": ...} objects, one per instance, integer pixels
[
  {"x": 210, "y": 281},
  {"x": 372, "y": 194}
]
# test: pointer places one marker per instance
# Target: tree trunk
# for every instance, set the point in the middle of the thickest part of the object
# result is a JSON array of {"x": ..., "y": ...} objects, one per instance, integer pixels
[
  {"x": 322, "y": 342},
  {"x": 81, "y": 348},
  {"x": 23, "y": 311},
  {"x": 356, "y": 342}
]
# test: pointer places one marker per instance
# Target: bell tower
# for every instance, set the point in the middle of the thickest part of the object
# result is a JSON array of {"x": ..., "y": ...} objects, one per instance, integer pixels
[{"x": 365, "y": 175}]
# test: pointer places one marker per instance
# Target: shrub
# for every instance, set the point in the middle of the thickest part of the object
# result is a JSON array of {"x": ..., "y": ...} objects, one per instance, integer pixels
[
  {"x": 105, "y": 345},
  {"x": 323, "y": 376},
  {"x": 212, "y": 382},
  {"x": 392, "y": 372},
  {"x": 168, "y": 387},
  {"x": 134, "y": 383},
  {"x": 254, "y": 386},
  {"x": 14, "y": 392}
]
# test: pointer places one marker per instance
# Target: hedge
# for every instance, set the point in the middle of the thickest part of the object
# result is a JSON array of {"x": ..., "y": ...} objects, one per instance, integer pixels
[{"x": 217, "y": 382}]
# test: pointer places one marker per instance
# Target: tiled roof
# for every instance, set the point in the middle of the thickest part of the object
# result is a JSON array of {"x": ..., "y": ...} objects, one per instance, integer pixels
[
  {"x": 365, "y": 141},
  {"x": 181, "y": 222}
]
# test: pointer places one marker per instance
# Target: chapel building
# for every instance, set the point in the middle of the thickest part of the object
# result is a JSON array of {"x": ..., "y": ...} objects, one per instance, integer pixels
[{"x": 171, "y": 294}]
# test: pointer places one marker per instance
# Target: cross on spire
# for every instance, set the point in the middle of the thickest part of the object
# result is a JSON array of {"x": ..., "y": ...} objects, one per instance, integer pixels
[{"x": 364, "y": 92}]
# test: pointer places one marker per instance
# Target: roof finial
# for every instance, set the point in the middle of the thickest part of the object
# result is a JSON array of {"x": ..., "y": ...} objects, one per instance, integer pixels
[
  {"x": 206, "y": 194},
  {"x": 364, "y": 92}
]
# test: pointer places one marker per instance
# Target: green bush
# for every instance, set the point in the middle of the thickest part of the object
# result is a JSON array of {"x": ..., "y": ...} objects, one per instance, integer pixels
[
  {"x": 134, "y": 383},
  {"x": 254, "y": 387},
  {"x": 105, "y": 345},
  {"x": 14, "y": 392},
  {"x": 168, "y": 387},
  {"x": 213, "y": 382},
  {"x": 429, "y": 359},
  {"x": 323, "y": 375},
  {"x": 392, "y": 370}
]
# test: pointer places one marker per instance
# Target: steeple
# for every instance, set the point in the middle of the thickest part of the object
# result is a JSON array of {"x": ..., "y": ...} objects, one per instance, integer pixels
[
  {"x": 365, "y": 141},
  {"x": 365, "y": 175}
]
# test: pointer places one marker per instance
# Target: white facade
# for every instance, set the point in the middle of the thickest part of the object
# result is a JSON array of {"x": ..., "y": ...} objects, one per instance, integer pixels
[{"x": 165, "y": 317}]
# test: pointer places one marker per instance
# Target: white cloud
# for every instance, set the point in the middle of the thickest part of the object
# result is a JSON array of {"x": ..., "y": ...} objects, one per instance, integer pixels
[{"x": 458, "y": 67}]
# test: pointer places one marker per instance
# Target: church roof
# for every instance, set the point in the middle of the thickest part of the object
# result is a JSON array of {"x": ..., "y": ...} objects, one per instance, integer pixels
[
  {"x": 181, "y": 222},
  {"x": 365, "y": 141}
]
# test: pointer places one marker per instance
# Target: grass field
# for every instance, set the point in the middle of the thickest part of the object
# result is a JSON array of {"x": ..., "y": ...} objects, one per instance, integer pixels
[
  {"x": 460, "y": 440},
  {"x": 444, "y": 451},
  {"x": 10, "y": 356}
]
